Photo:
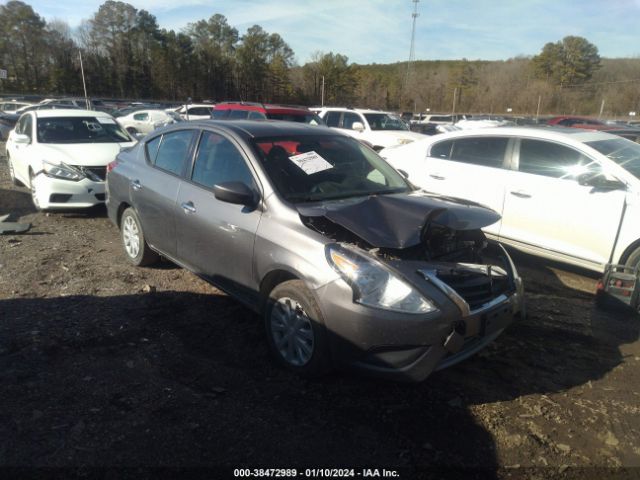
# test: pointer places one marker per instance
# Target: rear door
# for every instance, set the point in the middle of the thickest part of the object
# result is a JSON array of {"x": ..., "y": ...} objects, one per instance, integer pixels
[
  {"x": 154, "y": 189},
  {"x": 473, "y": 168},
  {"x": 545, "y": 206},
  {"x": 215, "y": 238}
]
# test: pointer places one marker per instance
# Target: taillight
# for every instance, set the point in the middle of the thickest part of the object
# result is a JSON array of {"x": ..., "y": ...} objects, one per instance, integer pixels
[{"x": 111, "y": 165}]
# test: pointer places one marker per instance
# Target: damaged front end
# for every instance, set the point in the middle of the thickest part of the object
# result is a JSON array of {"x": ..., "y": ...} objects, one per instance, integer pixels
[{"x": 426, "y": 259}]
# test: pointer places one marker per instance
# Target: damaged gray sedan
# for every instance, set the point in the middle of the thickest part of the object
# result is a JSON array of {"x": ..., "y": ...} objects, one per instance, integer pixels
[{"x": 348, "y": 264}]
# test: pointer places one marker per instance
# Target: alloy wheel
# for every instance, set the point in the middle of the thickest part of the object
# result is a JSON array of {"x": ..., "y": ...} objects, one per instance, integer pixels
[{"x": 131, "y": 236}]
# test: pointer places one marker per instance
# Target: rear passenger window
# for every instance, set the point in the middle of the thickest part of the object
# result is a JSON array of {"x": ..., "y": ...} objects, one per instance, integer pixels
[
  {"x": 484, "y": 151},
  {"x": 152, "y": 149},
  {"x": 219, "y": 114},
  {"x": 441, "y": 150},
  {"x": 553, "y": 160},
  {"x": 257, "y": 116},
  {"x": 173, "y": 151},
  {"x": 332, "y": 119},
  {"x": 219, "y": 161}
]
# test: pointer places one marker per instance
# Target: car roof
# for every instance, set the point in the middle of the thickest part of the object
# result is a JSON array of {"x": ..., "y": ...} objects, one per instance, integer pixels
[
  {"x": 262, "y": 107},
  {"x": 263, "y": 128},
  {"x": 64, "y": 112},
  {"x": 544, "y": 132},
  {"x": 359, "y": 110}
]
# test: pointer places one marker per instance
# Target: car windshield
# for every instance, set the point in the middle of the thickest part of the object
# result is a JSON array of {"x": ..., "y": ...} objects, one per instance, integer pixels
[
  {"x": 310, "y": 118},
  {"x": 622, "y": 151},
  {"x": 385, "y": 121},
  {"x": 311, "y": 168},
  {"x": 80, "y": 130}
]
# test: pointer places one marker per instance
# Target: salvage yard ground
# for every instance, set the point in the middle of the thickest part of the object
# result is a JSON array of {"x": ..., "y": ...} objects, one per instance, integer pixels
[{"x": 104, "y": 364}]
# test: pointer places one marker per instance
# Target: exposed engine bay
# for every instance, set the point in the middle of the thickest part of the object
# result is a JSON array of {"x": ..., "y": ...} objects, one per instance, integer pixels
[{"x": 442, "y": 239}]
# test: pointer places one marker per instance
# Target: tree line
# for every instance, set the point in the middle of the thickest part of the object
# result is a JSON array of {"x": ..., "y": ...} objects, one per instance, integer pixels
[{"x": 126, "y": 54}]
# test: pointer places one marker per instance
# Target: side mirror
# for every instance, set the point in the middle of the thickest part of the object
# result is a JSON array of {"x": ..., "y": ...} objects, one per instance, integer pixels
[
  {"x": 599, "y": 181},
  {"x": 357, "y": 126},
  {"x": 235, "y": 192},
  {"x": 21, "y": 139}
]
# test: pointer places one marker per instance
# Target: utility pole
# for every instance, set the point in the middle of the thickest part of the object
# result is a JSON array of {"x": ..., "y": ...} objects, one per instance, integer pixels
[
  {"x": 84, "y": 84},
  {"x": 322, "y": 93},
  {"x": 455, "y": 96},
  {"x": 412, "y": 50}
]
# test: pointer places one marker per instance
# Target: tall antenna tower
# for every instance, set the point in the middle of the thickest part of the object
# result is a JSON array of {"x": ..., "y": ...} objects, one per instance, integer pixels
[{"x": 412, "y": 50}]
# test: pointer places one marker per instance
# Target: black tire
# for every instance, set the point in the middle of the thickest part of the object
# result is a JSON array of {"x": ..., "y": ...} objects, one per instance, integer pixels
[
  {"x": 633, "y": 261},
  {"x": 32, "y": 188},
  {"x": 14, "y": 180},
  {"x": 282, "y": 298},
  {"x": 132, "y": 130},
  {"x": 130, "y": 229}
]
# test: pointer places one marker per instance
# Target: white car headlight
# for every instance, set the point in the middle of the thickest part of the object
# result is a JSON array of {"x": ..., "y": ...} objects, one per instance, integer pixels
[
  {"x": 374, "y": 284},
  {"x": 62, "y": 170}
]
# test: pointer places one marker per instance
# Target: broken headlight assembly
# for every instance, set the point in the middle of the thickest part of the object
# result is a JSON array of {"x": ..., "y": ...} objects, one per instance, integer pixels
[
  {"x": 373, "y": 284},
  {"x": 62, "y": 171}
]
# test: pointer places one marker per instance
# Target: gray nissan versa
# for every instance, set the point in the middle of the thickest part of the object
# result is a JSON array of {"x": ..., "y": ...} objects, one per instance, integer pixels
[{"x": 347, "y": 262}]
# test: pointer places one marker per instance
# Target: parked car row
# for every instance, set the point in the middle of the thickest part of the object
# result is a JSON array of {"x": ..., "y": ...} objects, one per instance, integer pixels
[{"x": 347, "y": 262}]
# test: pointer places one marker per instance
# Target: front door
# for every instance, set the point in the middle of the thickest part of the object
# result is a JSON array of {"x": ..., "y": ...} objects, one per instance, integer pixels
[
  {"x": 215, "y": 238},
  {"x": 546, "y": 207}
]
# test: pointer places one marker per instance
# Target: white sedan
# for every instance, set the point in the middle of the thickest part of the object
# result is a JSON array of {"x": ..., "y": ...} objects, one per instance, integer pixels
[
  {"x": 571, "y": 195},
  {"x": 146, "y": 121},
  {"x": 62, "y": 156}
]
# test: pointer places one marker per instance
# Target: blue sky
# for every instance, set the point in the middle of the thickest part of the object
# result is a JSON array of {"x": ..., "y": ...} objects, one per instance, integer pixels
[{"x": 379, "y": 31}]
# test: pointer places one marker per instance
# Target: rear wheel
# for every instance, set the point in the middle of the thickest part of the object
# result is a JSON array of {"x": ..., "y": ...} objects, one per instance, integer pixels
[
  {"x": 295, "y": 329},
  {"x": 135, "y": 246}
]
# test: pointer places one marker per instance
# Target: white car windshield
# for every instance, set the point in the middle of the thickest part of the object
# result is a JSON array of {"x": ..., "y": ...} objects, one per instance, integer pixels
[
  {"x": 622, "y": 151},
  {"x": 80, "y": 130},
  {"x": 384, "y": 121}
]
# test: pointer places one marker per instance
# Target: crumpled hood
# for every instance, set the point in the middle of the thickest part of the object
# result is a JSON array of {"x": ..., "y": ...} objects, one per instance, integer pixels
[
  {"x": 82, "y": 154},
  {"x": 398, "y": 220}
]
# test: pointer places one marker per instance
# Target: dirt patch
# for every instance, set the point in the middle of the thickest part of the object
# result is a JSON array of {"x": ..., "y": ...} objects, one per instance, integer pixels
[{"x": 103, "y": 364}]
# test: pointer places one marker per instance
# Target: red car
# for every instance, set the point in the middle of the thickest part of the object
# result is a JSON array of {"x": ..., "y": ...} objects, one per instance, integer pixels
[
  {"x": 578, "y": 122},
  {"x": 262, "y": 111}
]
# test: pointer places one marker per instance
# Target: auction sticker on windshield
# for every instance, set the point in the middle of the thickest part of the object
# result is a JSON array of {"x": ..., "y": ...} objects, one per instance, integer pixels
[
  {"x": 109, "y": 121},
  {"x": 311, "y": 162}
]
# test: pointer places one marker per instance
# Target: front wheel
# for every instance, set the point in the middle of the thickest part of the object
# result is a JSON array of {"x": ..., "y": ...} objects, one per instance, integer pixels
[
  {"x": 135, "y": 246},
  {"x": 34, "y": 191},
  {"x": 633, "y": 262},
  {"x": 12, "y": 173},
  {"x": 295, "y": 329}
]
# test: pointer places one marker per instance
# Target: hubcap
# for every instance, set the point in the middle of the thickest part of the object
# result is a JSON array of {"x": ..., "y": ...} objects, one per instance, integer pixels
[
  {"x": 291, "y": 331},
  {"x": 131, "y": 236}
]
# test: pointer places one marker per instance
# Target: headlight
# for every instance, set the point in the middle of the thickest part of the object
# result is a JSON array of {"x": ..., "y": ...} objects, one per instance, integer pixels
[
  {"x": 62, "y": 170},
  {"x": 374, "y": 285}
]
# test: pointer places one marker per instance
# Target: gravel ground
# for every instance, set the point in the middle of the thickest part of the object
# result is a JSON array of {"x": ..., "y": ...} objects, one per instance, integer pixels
[{"x": 107, "y": 365}]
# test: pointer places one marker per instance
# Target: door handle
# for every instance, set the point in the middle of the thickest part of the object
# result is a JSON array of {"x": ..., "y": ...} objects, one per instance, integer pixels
[
  {"x": 437, "y": 177},
  {"x": 136, "y": 185},
  {"x": 520, "y": 194},
  {"x": 188, "y": 207}
]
